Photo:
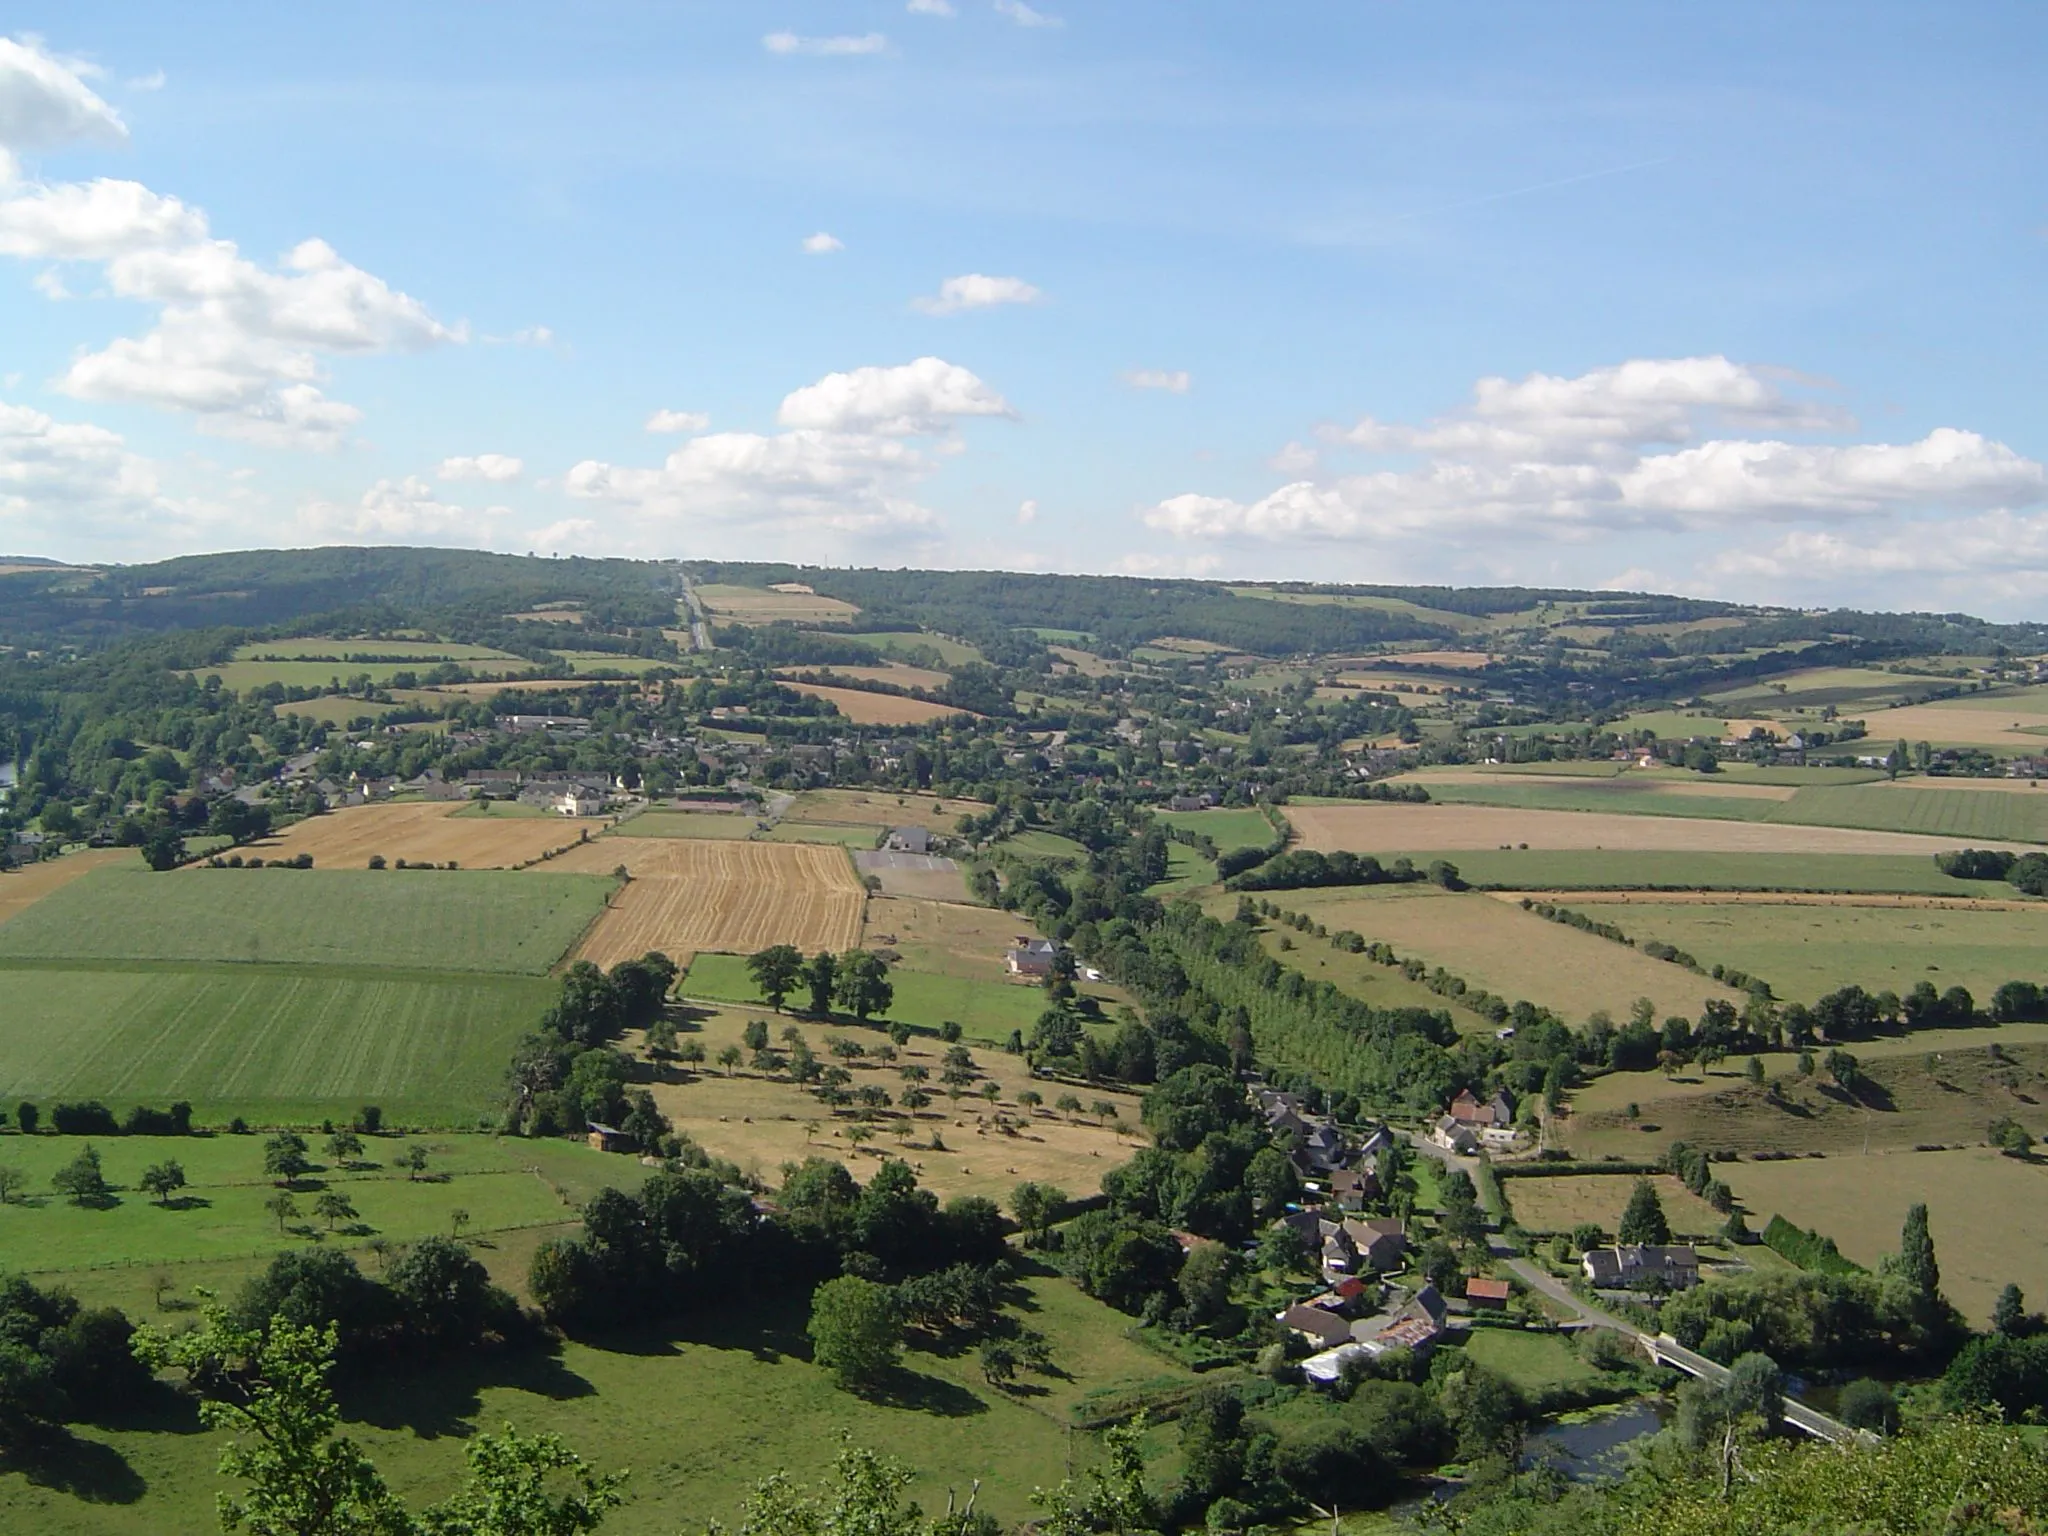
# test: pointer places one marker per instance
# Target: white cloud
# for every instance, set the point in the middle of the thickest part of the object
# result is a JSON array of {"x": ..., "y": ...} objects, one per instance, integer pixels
[
  {"x": 94, "y": 221},
  {"x": 1145, "y": 563},
  {"x": 525, "y": 336},
  {"x": 1024, "y": 15},
  {"x": 910, "y": 399},
  {"x": 50, "y": 284},
  {"x": 973, "y": 290},
  {"x": 1027, "y": 514},
  {"x": 844, "y": 467},
  {"x": 1294, "y": 459},
  {"x": 826, "y": 47},
  {"x": 930, "y": 7},
  {"x": 44, "y": 101},
  {"x": 64, "y": 483},
  {"x": 1614, "y": 450},
  {"x": 1174, "y": 383},
  {"x": 494, "y": 467},
  {"x": 2002, "y": 549},
  {"x": 822, "y": 244},
  {"x": 155, "y": 80},
  {"x": 571, "y": 533},
  {"x": 397, "y": 510},
  {"x": 678, "y": 421}
]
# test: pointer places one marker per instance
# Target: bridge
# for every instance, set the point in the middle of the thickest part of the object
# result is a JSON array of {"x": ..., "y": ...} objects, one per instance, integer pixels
[{"x": 1665, "y": 1350}]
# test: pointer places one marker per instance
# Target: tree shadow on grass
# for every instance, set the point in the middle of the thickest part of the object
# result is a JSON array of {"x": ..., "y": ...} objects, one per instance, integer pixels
[
  {"x": 443, "y": 1394},
  {"x": 83, "y": 1469},
  {"x": 185, "y": 1203},
  {"x": 920, "y": 1393}
]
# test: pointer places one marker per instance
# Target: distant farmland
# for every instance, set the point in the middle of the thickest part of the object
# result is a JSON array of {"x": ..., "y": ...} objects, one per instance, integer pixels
[
  {"x": 424, "y": 832},
  {"x": 439, "y": 920}
]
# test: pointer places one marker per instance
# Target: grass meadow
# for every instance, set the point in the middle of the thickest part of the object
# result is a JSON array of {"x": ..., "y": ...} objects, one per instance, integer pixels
[
  {"x": 455, "y": 920},
  {"x": 1185, "y": 870},
  {"x": 1242, "y": 828},
  {"x": 1972, "y": 1197},
  {"x": 1559, "y": 1204},
  {"x": 1805, "y": 951},
  {"x": 1994, "y": 815},
  {"x": 984, "y": 1010},
  {"x": 276, "y": 1044},
  {"x": 1535, "y": 869}
]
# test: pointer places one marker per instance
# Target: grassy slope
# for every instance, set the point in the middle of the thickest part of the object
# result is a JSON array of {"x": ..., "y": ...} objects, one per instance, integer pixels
[
  {"x": 984, "y": 1010},
  {"x": 1185, "y": 870},
  {"x": 463, "y": 920},
  {"x": 274, "y": 1043},
  {"x": 1241, "y": 828}
]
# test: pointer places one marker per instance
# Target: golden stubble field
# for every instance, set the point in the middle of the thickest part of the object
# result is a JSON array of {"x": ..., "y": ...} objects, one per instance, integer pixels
[
  {"x": 761, "y": 1121},
  {"x": 881, "y": 808},
  {"x": 1981, "y": 1207},
  {"x": 1508, "y": 951},
  {"x": 424, "y": 831},
  {"x": 876, "y": 708},
  {"x": 1558, "y": 1205},
  {"x": 687, "y": 895},
  {"x": 1449, "y": 828},
  {"x": 757, "y": 605}
]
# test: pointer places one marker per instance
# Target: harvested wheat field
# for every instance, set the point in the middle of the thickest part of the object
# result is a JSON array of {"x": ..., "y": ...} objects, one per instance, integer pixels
[
  {"x": 1448, "y": 828},
  {"x": 758, "y": 605},
  {"x": 427, "y": 832},
  {"x": 688, "y": 895},
  {"x": 881, "y": 808},
  {"x": 23, "y": 888},
  {"x": 864, "y": 708},
  {"x": 1559, "y": 1204}
]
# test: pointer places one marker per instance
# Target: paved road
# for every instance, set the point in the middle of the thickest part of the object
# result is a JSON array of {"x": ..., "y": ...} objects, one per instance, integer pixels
[{"x": 700, "y": 627}]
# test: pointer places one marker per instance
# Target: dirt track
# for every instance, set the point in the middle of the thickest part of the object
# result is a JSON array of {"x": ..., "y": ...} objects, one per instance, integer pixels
[{"x": 1414, "y": 828}]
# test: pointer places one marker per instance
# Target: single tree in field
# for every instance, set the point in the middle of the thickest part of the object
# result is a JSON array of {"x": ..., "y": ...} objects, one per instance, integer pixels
[
  {"x": 344, "y": 1146},
  {"x": 821, "y": 975},
  {"x": 1917, "y": 1265},
  {"x": 1069, "y": 1105},
  {"x": 860, "y": 1135},
  {"x": 414, "y": 1161},
  {"x": 333, "y": 1206},
  {"x": 660, "y": 1039},
  {"x": 728, "y": 1058},
  {"x": 283, "y": 1207},
  {"x": 1030, "y": 1099},
  {"x": 776, "y": 970},
  {"x": 990, "y": 1091},
  {"x": 1102, "y": 1109},
  {"x": 1644, "y": 1220},
  {"x": 284, "y": 1157},
  {"x": 913, "y": 1099},
  {"x": 163, "y": 1180},
  {"x": 862, "y": 986},
  {"x": 458, "y": 1220},
  {"x": 755, "y": 1035},
  {"x": 998, "y": 1363},
  {"x": 80, "y": 1180},
  {"x": 12, "y": 1182},
  {"x": 855, "y": 1329},
  {"x": 691, "y": 1053}
]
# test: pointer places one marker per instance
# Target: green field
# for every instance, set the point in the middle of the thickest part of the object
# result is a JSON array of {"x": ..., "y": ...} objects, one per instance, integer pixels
[
  {"x": 244, "y": 675},
  {"x": 1524, "y": 869},
  {"x": 1185, "y": 869},
  {"x": 1627, "y": 797},
  {"x": 1538, "y": 1363},
  {"x": 1805, "y": 951},
  {"x": 1995, "y": 815},
  {"x": 276, "y": 1043},
  {"x": 1243, "y": 828},
  {"x": 951, "y": 653},
  {"x": 984, "y": 1010},
  {"x": 1037, "y": 844},
  {"x": 463, "y": 920},
  {"x": 326, "y": 648},
  {"x": 845, "y": 836},
  {"x": 705, "y": 824}
]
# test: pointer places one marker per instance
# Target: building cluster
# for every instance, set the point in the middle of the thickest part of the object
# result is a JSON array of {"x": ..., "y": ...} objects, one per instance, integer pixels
[{"x": 1469, "y": 1125}]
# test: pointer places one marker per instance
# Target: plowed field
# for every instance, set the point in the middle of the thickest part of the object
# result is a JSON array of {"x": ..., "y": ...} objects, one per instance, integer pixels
[
  {"x": 728, "y": 897},
  {"x": 423, "y": 832}
]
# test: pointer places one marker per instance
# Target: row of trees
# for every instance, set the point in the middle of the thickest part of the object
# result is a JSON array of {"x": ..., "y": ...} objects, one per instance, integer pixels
[{"x": 857, "y": 981}]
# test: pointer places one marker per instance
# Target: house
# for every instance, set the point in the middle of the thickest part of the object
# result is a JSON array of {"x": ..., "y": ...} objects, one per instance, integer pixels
[
  {"x": 1350, "y": 1189},
  {"x": 1453, "y": 1137},
  {"x": 1673, "y": 1266},
  {"x": 909, "y": 840},
  {"x": 1030, "y": 957},
  {"x": 1488, "y": 1295},
  {"x": 579, "y": 801},
  {"x": 1318, "y": 1325},
  {"x": 1322, "y": 1147},
  {"x": 1381, "y": 1241},
  {"x": 1190, "y": 802},
  {"x": 605, "y": 1138}
]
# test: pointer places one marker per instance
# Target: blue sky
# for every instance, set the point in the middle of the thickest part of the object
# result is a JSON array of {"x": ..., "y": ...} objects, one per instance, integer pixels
[{"x": 1178, "y": 288}]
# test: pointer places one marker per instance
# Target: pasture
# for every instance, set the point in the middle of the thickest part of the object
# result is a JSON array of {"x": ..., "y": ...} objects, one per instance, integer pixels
[
  {"x": 1932, "y": 1093},
  {"x": 881, "y": 808},
  {"x": 1382, "y": 986},
  {"x": 1993, "y": 812},
  {"x": 1531, "y": 869},
  {"x": 428, "y": 920},
  {"x": 2011, "y": 720},
  {"x": 1516, "y": 954},
  {"x": 1559, "y": 1204},
  {"x": 864, "y": 708},
  {"x": 1806, "y": 950},
  {"x": 757, "y": 605},
  {"x": 689, "y": 894},
  {"x": 905, "y": 644},
  {"x": 1376, "y": 828},
  {"x": 1712, "y": 798},
  {"x": 762, "y": 1121},
  {"x": 424, "y": 832},
  {"x": 1186, "y": 870},
  {"x": 1243, "y": 828},
  {"x": 1971, "y": 1196},
  {"x": 985, "y": 1009},
  {"x": 275, "y": 1043}
]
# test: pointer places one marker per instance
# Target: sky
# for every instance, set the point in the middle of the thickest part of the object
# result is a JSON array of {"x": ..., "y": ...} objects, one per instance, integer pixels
[{"x": 1743, "y": 300}]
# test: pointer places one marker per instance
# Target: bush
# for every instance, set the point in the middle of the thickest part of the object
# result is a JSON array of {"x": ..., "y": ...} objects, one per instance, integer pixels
[
  {"x": 91, "y": 1118},
  {"x": 1867, "y": 1404}
]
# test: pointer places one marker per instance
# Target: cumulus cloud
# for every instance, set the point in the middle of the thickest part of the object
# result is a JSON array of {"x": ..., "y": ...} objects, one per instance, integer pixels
[
  {"x": 2001, "y": 550},
  {"x": 1027, "y": 514},
  {"x": 930, "y": 7},
  {"x": 678, "y": 421},
  {"x": 238, "y": 344},
  {"x": 825, "y": 47},
  {"x": 1294, "y": 459},
  {"x": 1024, "y": 16},
  {"x": 1174, "y": 383},
  {"x": 66, "y": 482},
  {"x": 845, "y": 465},
  {"x": 45, "y": 102},
  {"x": 1614, "y": 450},
  {"x": 973, "y": 290},
  {"x": 495, "y": 467},
  {"x": 910, "y": 399},
  {"x": 397, "y": 510},
  {"x": 822, "y": 244}
]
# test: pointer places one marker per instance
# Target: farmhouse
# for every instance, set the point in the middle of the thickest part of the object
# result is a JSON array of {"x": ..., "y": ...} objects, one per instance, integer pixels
[
  {"x": 909, "y": 840},
  {"x": 1030, "y": 957},
  {"x": 579, "y": 802},
  {"x": 1673, "y": 1266},
  {"x": 1319, "y": 1325},
  {"x": 1453, "y": 1137}
]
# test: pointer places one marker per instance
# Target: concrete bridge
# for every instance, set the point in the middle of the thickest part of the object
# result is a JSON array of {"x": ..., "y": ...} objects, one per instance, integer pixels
[{"x": 1665, "y": 1350}]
